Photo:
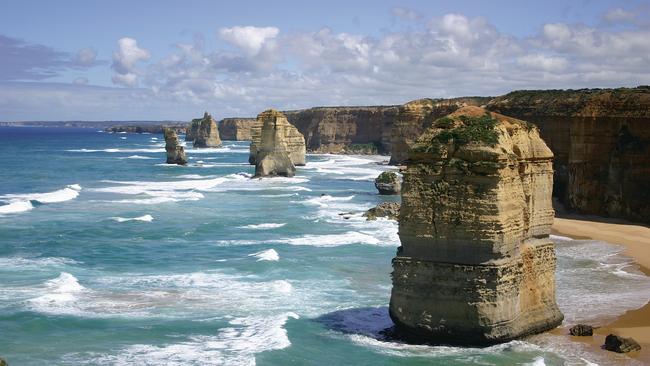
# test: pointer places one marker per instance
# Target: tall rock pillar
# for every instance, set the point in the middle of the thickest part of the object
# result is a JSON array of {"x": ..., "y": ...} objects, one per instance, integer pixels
[
  {"x": 279, "y": 148},
  {"x": 476, "y": 265}
]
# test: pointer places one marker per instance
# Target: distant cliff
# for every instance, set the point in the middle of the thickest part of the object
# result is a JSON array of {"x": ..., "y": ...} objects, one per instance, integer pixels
[
  {"x": 236, "y": 129},
  {"x": 147, "y": 128},
  {"x": 601, "y": 142},
  {"x": 345, "y": 129}
]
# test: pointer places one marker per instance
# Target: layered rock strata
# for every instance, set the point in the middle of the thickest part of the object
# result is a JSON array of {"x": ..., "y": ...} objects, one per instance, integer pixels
[
  {"x": 175, "y": 152},
  {"x": 345, "y": 130},
  {"x": 291, "y": 139},
  {"x": 207, "y": 134},
  {"x": 236, "y": 129},
  {"x": 601, "y": 140},
  {"x": 416, "y": 116},
  {"x": 278, "y": 146},
  {"x": 476, "y": 265}
]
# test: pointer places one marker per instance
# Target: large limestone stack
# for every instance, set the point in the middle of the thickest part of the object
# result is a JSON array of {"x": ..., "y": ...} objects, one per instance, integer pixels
[
  {"x": 273, "y": 156},
  {"x": 287, "y": 133},
  {"x": 207, "y": 134},
  {"x": 175, "y": 152},
  {"x": 476, "y": 264}
]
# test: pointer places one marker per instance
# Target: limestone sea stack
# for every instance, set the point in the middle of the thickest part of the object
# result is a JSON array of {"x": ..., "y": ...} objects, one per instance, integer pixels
[
  {"x": 278, "y": 147},
  {"x": 207, "y": 134},
  {"x": 175, "y": 152},
  {"x": 288, "y": 133},
  {"x": 388, "y": 183},
  {"x": 192, "y": 129},
  {"x": 476, "y": 265}
]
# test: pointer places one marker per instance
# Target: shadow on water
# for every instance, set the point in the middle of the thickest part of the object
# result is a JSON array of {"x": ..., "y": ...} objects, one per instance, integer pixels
[{"x": 369, "y": 321}]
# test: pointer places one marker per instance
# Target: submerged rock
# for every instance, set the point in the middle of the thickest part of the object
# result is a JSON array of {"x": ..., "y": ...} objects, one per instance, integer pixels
[
  {"x": 581, "y": 330},
  {"x": 389, "y": 210},
  {"x": 175, "y": 152},
  {"x": 273, "y": 157},
  {"x": 476, "y": 265},
  {"x": 3, "y": 362},
  {"x": 388, "y": 183},
  {"x": 292, "y": 139},
  {"x": 618, "y": 344},
  {"x": 207, "y": 134}
]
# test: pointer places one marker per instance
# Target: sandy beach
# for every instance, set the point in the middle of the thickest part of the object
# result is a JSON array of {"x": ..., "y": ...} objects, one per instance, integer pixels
[{"x": 636, "y": 240}]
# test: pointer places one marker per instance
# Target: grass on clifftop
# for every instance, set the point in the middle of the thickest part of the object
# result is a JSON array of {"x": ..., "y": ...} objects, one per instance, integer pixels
[{"x": 474, "y": 129}]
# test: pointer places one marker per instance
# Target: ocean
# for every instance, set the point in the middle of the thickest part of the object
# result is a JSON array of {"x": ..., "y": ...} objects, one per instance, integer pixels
[{"x": 108, "y": 256}]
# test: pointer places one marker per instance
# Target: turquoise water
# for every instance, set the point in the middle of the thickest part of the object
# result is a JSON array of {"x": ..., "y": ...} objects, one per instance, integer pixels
[{"x": 108, "y": 256}]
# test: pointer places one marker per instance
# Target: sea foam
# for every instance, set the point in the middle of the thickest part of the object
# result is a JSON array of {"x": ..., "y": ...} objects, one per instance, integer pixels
[{"x": 23, "y": 202}]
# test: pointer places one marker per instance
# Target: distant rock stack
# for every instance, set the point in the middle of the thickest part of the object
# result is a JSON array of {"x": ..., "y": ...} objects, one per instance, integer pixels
[
  {"x": 192, "y": 129},
  {"x": 291, "y": 137},
  {"x": 476, "y": 265},
  {"x": 274, "y": 157},
  {"x": 175, "y": 152},
  {"x": 207, "y": 134}
]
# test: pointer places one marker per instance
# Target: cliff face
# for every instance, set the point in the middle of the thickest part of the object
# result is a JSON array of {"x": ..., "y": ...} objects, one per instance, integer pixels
[
  {"x": 275, "y": 154},
  {"x": 175, "y": 152},
  {"x": 146, "y": 128},
  {"x": 601, "y": 139},
  {"x": 345, "y": 129},
  {"x": 476, "y": 263},
  {"x": 291, "y": 138},
  {"x": 415, "y": 116},
  {"x": 236, "y": 129},
  {"x": 192, "y": 129},
  {"x": 207, "y": 134}
]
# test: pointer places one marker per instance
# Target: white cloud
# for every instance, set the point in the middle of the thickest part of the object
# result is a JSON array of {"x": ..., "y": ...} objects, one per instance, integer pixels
[
  {"x": 125, "y": 59},
  {"x": 405, "y": 14},
  {"x": 250, "y": 39},
  {"x": 543, "y": 62},
  {"x": 619, "y": 15}
]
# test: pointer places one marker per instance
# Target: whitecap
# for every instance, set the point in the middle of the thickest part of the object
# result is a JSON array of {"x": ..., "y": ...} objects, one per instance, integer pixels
[
  {"x": 262, "y": 226},
  {"x": 61, "y": 295},
  {"x": 122, "y": 138},
  {"x": 235, "y": 345},
  {"x": 16, "y": 207},
  {"x": 22, "y": 263},
  {"x": 145, "y": 218},
  {"x": 266, "y": 255},
  {"x": 137, "y": 157}
]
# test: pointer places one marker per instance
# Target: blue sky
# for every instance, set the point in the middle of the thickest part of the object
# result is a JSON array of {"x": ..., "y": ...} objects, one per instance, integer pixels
[{"x": 101, "y": 60}]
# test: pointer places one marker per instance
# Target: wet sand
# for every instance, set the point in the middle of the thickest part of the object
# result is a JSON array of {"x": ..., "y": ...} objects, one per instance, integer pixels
[{"x": 636, "y": 241}]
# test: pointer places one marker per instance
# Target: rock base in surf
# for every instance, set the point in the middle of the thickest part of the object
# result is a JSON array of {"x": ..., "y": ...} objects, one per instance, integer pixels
[
  {"x": 476, "y": 265},
  {"x": 273, "y": 157},
  {"x": 388, "y": 183},
  {"x": 618, "y": 344},
  {"x": 389, "y": 210},
  {"x": 175, "y": 152}
]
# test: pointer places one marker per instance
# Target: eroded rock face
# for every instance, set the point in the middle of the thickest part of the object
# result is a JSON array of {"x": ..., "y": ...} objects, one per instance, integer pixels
[
  {"x": 388, "y": 183},
  {"x": 601, "y": 142},
  {"x": 415, "y": 116},
  {"x": 192, "y": 129},
  {"x": 236, "y": 129},
  {"x": 175, "y": 152},
  {"x": 345, "y": 130},
  {"x": 207, "y": 134},
  {"x": 278, "y": 146},
  {"x": 291, "y": 139},
  {"x": 476, "y": 265}
]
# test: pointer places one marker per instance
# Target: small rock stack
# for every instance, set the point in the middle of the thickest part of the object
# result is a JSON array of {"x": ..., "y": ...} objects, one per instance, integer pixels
[
  {"x": 388, "y": 183},
  {"x": 277, "y": 152},
  {"x": 205, "y": 132},
  {"x": 175, "y": 152}
]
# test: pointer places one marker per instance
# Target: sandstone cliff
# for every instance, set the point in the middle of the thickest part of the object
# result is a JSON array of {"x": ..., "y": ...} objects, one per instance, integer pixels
[
  {"x": 291, "y": 138},
  {"x": 207, "y": 134},
  {"x": 601, "y": 141},
  {"x": 476, "y": 263},
  {"x": 175, "y": 152},
  {"x": 415, "y": 116},
  {"x": 363, "y": 130},
  {"x": 273, "y": 152},
  {"x": 236, "y": 129}
]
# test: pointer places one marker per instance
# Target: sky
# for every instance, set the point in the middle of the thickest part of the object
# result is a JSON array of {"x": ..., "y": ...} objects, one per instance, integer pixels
[{"x": 172, "y": 60}]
